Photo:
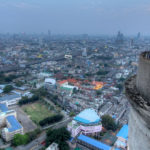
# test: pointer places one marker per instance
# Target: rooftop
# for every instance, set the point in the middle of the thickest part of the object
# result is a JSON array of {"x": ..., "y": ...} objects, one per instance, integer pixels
[
  {"x": 123, "y": 132},
  {"x": 94, "y": 142},
  {"x": 14, "y": 124},
  {"x": 87, "y": 116},
  {"x": 9, "y": 97},
  {"x": 50, "y": 80},
  {"x": 3, "y": 108}
]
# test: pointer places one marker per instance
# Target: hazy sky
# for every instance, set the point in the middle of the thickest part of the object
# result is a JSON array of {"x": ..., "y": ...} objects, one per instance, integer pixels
[{"x": 75, "y": 16}]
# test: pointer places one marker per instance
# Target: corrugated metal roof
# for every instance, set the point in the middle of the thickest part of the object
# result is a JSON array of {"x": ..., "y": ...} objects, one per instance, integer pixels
[
  {"x": 123, "y": 132},
  {"x": 94, "y": 142},
  {"x": 3, "y": 108},
  {"x": 9, "y": 97},
  {"x": 15, "y": 125},
  {"x": 1, "y": 91}
]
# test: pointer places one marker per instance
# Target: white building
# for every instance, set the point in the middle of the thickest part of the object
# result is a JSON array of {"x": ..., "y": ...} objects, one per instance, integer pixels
[
  {"x": 50, "y": 81},
  {"x": 86, "y": 122},
  {"x": 68, "y": 56},
  {"x": 13, "y": 127},
  {"x": 53, "y": 146},
  {"x": 8, "y": 119},
  {"x": 10, "y": 99}
]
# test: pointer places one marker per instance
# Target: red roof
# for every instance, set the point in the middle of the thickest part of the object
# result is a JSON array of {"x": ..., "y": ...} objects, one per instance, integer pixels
[
  {"x": 72, "y": 80},
  {"x": 62, "y": 82}
]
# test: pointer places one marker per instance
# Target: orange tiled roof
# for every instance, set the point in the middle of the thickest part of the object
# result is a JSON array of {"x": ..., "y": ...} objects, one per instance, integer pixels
[{"x": 62, "y": 82}]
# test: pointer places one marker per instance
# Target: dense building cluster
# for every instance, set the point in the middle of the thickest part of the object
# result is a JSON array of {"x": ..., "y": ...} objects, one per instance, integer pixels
[{"x": 78, "y": 77}]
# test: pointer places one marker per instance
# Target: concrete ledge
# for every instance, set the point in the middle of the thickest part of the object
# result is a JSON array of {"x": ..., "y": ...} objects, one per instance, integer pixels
[{"x": 139, "y": 104}]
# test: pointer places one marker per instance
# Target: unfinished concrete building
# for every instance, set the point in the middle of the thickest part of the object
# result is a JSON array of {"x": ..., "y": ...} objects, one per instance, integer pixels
[{"x": 138, "y": 92}]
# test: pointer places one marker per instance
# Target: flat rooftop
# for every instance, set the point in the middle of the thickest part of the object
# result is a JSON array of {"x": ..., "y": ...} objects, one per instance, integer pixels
[
  {"x": 93, "y": 142},
  {"x": 123, "y": 132},
  {"x": 9, "y": 97},
  {"x": 3, "y": 108},
  {"x": 14, "y": 124}
]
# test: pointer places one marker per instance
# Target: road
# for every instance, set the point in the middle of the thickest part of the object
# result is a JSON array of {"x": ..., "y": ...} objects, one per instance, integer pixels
[
  {"x": 36, "y": 144},
  {"x": 58, "y": 124}
]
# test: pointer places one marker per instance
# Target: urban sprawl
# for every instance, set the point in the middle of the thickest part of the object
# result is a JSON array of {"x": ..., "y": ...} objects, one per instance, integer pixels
[{"x": 66, "y": 91}]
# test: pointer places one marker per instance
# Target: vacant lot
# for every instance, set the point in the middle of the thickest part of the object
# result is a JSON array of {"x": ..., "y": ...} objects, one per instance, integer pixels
[{"x": 37, "y": 111}]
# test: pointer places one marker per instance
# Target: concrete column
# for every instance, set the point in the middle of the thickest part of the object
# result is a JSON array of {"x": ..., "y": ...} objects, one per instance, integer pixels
[
  {"x": 138, "y": 92},
  {"x": 139, "y": 134}
]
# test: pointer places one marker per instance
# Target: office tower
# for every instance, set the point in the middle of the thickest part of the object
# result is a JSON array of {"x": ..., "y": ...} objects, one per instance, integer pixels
[{"x": 119, "y": 38}]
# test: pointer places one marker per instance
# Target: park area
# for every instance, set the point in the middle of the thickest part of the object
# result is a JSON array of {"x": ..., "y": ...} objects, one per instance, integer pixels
[{"x": 37, "y": 111}]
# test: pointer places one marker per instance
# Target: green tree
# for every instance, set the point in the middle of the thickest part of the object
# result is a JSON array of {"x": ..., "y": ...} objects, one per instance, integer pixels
[
  {"x": 10, "y": 78},
  {"x": 98, "y": 93},
  {"x": 50, "y": 120},
  {"x": 109, "y": 123},
  {"x": 33, "y": 134},
  {"x": 20, "y": 139},
  {"x": 120, "y": 87},
  {"x": 71, "y": 114},
  {"x": 59, "y": 136},
  {"x": 102, "y": 72},
  {"x": 19, "y": 83},
  {"x": 40, "y": 92},
  {"x": 8, "y": 88},
  {"x": 75, "y": 91},
  {"x": 26, "y": 100}
]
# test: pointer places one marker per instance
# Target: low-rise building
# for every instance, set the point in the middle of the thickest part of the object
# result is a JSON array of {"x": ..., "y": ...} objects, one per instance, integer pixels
[
  {"x": 10, "y": 99},
  {"x": 4, "y": 112},
  {"x": 13, "y": 127},
  {"x": 53, "y": 146},
  {"x": 85, "y": 142},
  {"x": 8, "y": 118},
  {"x": 86, "y": 122},
  {"x": 122, "y": 136}
]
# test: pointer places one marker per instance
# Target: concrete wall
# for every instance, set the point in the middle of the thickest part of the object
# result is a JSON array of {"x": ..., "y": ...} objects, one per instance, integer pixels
[
  {"x": 143, "y": 77},
  {"x": 139, "y": 134},
  {"x": 138, "y": 93}
]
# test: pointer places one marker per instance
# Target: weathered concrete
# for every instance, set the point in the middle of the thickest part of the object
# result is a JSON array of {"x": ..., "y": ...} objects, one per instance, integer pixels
[
  {"x": 143, "y": 75},
  {"x": 139, "y": 134},
  {"x": 139, "y": 118},
  {"x": 137, "y": 90}
]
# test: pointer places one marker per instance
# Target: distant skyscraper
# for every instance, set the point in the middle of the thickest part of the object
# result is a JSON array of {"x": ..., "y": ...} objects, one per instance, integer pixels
[
  {"x": 131, "y": 42},
  {"x": 119, "y": 38},
  {"x": 84, "y": 52},
  {"x": 49, "y": 34},
  {"x": 138, "y": 35}
]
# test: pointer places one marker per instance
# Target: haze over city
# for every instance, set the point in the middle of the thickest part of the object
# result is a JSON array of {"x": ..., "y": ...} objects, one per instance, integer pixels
[
  {"x": 75, "y": 16},
  {"x": 74, "y": 75}
]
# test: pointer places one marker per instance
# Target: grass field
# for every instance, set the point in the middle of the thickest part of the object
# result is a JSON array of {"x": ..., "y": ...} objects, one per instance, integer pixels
[{"x": 37, "y": 111}]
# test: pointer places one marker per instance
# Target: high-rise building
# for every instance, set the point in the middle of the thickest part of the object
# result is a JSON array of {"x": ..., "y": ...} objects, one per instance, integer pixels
[
  {"x": 119, "y": 38},
  {"x": 84, "y": 52},
  {"x": 138, "y": 92},
  {"x": 49, "y": 34},
  {"x": 138, "y": 35}
]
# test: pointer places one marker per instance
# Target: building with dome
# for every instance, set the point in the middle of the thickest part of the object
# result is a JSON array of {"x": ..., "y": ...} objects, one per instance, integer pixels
[{"x": 86, "y": 122}]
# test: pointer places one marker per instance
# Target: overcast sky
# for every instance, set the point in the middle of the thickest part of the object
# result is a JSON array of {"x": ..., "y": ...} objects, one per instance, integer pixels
[{"x": 75, "y": 16}]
